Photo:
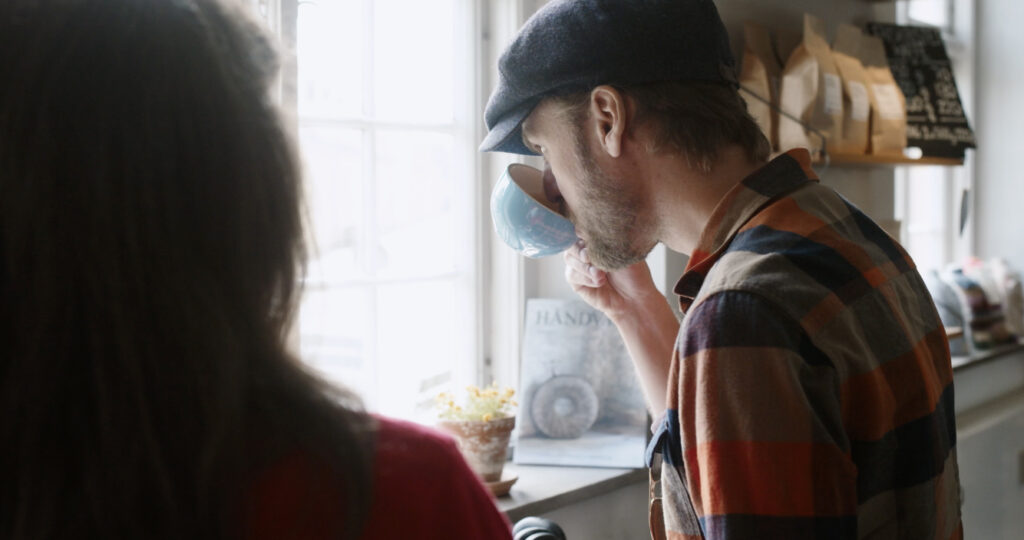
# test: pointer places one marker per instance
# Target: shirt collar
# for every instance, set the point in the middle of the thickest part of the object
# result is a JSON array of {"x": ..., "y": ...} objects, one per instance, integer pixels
[{"x": 777, "y": 178}]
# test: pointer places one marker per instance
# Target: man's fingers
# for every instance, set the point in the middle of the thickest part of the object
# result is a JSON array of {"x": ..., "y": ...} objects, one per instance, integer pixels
[
  {"x": 576, "y": 264},
  {"x": 585, "y": 255},
  {"x": 578, "y": 272},
  {"x": 573, "y": 278}
]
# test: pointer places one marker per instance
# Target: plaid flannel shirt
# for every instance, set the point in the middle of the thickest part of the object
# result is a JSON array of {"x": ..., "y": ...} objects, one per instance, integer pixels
[{"x": 811, "y": 391}]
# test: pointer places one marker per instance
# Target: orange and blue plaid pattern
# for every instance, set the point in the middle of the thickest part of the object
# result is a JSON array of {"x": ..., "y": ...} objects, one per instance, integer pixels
[{"x": 810, "y": 393}]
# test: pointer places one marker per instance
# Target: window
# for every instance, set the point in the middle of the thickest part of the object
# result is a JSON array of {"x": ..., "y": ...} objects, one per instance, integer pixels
[
  {"x": 937, "y": 13},
  {"x": 387, "y": 123},
  {"x": 933, "y": 201}
]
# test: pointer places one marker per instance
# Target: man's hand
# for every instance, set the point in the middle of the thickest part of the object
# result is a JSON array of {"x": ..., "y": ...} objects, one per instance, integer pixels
[
  {"x": 620, "y": 294},
  {"x": 644, "y": 319}
]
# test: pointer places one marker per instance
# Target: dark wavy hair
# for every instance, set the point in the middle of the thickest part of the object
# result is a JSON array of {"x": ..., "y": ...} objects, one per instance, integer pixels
[{"x": 150, "y": 248}]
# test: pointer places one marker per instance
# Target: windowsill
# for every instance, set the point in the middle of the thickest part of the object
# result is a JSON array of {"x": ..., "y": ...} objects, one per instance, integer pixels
[
  {"x": 980, "y": 357},
  {"x": 542, "y": 489},
  {"x": 986, "y": 375}
]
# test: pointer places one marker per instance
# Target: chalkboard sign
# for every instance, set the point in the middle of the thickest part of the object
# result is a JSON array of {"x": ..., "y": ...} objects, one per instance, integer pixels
[{"x": 935, "y": 115}]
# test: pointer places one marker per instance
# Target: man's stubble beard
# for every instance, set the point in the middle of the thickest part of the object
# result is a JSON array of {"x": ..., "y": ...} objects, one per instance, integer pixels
[{"x": 609, "y": 216}]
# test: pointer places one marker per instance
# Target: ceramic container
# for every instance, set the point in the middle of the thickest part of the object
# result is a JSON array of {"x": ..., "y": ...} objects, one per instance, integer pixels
[
  {"x": 483, "y": 444},
  {"x": 524, "y": 218}
]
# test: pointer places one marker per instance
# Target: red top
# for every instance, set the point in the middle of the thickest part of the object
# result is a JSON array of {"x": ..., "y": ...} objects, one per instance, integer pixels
[{"x": 422, "y": 489}]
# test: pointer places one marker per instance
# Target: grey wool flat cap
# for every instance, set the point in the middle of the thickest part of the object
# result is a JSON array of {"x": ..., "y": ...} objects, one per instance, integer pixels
[{"x": 575, "y": 45}]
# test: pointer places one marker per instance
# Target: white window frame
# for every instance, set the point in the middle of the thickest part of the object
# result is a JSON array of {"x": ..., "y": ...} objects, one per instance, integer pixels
[{"x": 504, "y": 290}]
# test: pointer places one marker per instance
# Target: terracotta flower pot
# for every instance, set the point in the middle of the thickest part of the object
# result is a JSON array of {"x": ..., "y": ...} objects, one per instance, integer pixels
[{"x": 483, "y": 444}]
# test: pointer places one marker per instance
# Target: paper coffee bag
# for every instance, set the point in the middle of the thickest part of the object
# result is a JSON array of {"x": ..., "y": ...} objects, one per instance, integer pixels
[
  {"x": 855, "y": 135},
  {"x": 811, "y": 90},
  {"x": 760, "y": 76},
  {"x": 889, "y": 106}
]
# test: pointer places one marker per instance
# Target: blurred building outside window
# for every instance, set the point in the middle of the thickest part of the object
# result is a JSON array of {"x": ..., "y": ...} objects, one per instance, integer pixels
[{"x": 386, "y": 122}]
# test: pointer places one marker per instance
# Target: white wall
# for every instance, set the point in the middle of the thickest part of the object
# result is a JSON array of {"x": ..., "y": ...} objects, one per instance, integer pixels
[
  {"x": 990, "y": 452},
  {"x": 991, "y": 433},
  {"x": 999, "y": 126}
]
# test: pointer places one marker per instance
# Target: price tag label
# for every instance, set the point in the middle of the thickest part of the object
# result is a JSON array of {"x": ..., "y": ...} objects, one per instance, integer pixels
[
  {"x": 833, "y": 94},
  {"x": 860, "y": 105},
  {"x": 888, "y": 98}
]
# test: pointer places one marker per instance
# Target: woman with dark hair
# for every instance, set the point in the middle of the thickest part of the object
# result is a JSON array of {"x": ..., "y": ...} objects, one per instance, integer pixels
[{"x": 150, "y": 246}]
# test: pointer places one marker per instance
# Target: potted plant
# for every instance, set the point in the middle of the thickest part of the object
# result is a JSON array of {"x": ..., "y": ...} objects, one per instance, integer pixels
[{"x": 481, "y": 425}]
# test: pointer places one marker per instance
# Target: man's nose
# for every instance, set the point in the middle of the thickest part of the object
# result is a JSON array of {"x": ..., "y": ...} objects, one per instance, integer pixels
[{"x": 551, "y": 186}]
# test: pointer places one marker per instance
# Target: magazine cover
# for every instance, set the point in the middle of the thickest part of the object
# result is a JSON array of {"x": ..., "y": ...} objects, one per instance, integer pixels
[{"x": 581, "y": 403}]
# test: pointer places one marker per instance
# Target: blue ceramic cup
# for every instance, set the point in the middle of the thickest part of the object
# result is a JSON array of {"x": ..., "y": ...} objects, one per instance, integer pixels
[{"x": 523, "y": 216}]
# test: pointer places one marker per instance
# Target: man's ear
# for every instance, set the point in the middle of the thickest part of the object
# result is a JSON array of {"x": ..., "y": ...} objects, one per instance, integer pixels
[{"x": 608, "y": 109}]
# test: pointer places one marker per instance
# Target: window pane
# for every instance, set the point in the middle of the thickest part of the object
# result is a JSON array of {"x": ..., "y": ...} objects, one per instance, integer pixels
[
  {"x": 931, "y": 12},
  {"x": 415, "y": 215},
  {"x": 928, "y": 217},
  {"x": 381, "y": 193},
  {"x": 329, "y": 49},
  {"x": 414, "y": 60},
  {"x": 335, "y": 336},
  {"x": 421, "y": 341},
  {"x": 334, "y": 197}
]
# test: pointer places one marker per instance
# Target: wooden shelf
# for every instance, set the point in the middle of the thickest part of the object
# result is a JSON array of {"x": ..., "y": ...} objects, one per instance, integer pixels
[{"x": 871, "y": 161}]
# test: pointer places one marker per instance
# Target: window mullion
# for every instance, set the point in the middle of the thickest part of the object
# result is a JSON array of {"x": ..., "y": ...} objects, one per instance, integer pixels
[{"x": 370, "y": 232}]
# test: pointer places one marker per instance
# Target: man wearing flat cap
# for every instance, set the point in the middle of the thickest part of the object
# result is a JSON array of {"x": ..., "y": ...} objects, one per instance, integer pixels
[{"x": 807, "y": 392}]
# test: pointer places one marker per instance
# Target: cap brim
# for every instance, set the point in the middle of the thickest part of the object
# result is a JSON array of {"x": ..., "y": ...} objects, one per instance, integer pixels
[{"x": 506, "y": 135}]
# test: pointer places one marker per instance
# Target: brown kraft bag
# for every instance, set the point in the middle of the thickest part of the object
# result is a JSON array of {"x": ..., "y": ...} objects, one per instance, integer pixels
[
  {"x": 811, "y": 90},
  {"x": 760, "y": 76},
  {"x": 855, "y": 136},
  {"x": 889, "y": 106}
]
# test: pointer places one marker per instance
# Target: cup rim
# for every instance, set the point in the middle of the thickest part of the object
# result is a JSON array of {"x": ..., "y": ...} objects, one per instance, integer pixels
[{"x": 508, "y": 170}]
